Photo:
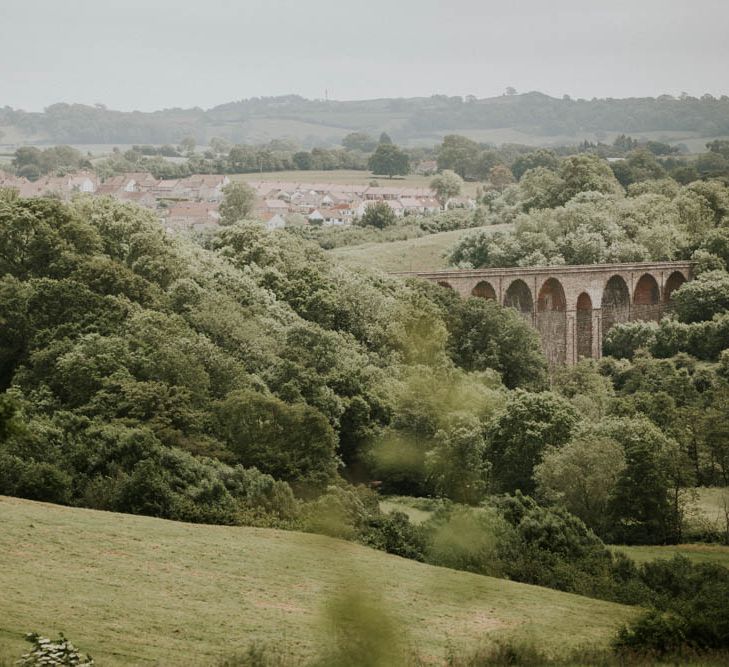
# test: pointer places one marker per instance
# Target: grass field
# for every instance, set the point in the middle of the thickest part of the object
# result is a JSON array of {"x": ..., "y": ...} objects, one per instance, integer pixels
[
  {"x": 420, "y": 254},
  {"x": 419, "y": 510},
  {"x": 135, "y": 590},
  {"x": 346, "y": 176},
  {"x": 709, "y": 507},
  {"x": 698, "y": 553}
]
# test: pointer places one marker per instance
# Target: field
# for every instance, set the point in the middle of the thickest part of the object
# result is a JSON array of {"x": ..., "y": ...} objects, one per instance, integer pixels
[
  {"x": 420, "y": 509},
  {"x": 348, "y": 177},
  {"x": 135, "y": 590},
  {"x": 420, "y": 254},
  {"x": 698, "y": 553}
]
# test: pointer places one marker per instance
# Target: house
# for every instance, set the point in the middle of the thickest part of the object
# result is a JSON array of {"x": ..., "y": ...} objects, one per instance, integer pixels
[
  {"x": 427, "y": 167},
  {"x": 275, "y": 206},
  {"x": 274, "y": 221},
  {"x": 420, "y": 205},
  {"x": 83, "y": 182},
  {"x": 375, "y": 193},
  {"x": 204, "y": 187},
  {"x": 145, "y": 199},
  {"x": 132, "y": 182},
  {"x": 192, "y": 216}
]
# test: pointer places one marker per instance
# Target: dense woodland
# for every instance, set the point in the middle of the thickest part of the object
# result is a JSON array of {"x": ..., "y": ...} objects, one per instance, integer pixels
[{"x": 247, "y": 379}]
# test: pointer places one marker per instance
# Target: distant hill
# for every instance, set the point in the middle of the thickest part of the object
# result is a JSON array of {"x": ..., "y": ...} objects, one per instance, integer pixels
[
  {"x": 135, "y": 590},
  {"x": 531, "y": 118}
]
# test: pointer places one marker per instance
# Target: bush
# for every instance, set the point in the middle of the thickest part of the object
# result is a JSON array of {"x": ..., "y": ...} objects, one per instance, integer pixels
[
  {"x": 394, "y": 534},
  {"x": 625, "y": 338},
  {"x": 378, "y": 215},
  {"x": 467, "y": 539},
  {"x": 34, "y": 480}
]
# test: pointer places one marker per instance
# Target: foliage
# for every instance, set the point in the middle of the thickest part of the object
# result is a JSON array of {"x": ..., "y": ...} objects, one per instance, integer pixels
[
  {"x": 702, "y": 298},
  {"x": 457, "y": 467},
  {"x": 689, "y": 609},
  {"x": 578, "y": 214},
  {"x": 625, "y": 338},
  {"x": 237, "y": 204},
  {"x": 519, "y": 436},
  {"x": 582, "y": 476},
  {"x": 378, "y": 215},
  {"x": 389, "y": 160},
  {"x": 446, "y": 185},
  {"x": 485, "y": 335}
]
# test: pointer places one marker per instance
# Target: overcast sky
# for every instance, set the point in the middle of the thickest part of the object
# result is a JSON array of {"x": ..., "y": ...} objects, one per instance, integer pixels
[{"x": 153, "y": 54}]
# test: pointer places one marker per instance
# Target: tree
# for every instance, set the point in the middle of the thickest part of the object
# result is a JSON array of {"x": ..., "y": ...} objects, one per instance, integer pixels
[
  {"x": 500, "y": 176},
  {"x": 378, "y": 215},
  {"x": 385, "y": 138},
  {"x": 581, "y": 476},
  {"x": 237, "y": 202},
  {"x": 390, "y": 160},
  {"x": 702, "y": 298},
  {"x": 291, "y": 442},
  {"x": 484, "y": 335},
  {"x": 587, "y": 173},
  {"x": 539, "y": 158},
  {"x": 446, "y": 185},
  {"x": 640, "y": 508},
  {"x": 360, "y": 141},
  {"x": 187, "y": 145},
  {"x": 457, "y": 466},
  {"x": 519, "y": 436},
  {"x": 458, "y": 154}
]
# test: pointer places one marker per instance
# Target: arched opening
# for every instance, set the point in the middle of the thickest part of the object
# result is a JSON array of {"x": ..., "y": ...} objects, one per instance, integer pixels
[
  {"x": 584, "y": 326},
  {"x": 519, "y": 296},
  {"x": 552, "y": 321},
  {"x": 615, "y": 303},
  {"x": 675, "y": 280},
  {"x": 446, "y": 284},
  {"x": 647, "y": 299},
  {"x": 484, "y": 290}
]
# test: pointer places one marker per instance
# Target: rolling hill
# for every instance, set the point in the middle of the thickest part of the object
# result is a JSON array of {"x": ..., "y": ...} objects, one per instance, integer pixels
[
  {"x": 532, "y": 118},
  {"x": 136, "y": 590},
  {"x": 421, "y": 254}
]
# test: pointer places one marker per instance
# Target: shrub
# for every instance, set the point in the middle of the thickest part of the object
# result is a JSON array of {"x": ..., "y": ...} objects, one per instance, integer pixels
[{"x": 625, "y": 338}]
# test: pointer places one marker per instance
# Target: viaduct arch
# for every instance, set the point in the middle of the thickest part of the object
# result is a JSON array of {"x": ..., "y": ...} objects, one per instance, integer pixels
[{"x": 573, "y": 307}]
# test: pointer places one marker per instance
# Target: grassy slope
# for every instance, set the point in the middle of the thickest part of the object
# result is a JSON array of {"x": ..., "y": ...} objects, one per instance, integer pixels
[
  {"x": 421, "y": 254},
  {"x": 136, "y": 590},
  {"x": 698, "y": 553}
]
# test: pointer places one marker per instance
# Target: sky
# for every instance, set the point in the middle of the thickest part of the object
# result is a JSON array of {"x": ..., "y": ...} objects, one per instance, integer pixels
[{"x": 155, "y": 54}]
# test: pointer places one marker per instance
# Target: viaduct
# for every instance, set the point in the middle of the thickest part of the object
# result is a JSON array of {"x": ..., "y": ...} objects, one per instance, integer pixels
[{"x": 573, "y": 307}]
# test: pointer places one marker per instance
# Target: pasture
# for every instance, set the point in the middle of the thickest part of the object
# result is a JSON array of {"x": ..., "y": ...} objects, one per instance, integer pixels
[
  {"x": 419, "y": 254},
  {"x": 143, "y": 591}
]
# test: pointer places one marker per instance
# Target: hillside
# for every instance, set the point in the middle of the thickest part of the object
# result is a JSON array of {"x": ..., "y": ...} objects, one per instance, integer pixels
[
  {"x": 420, "y": 254},
  {"x": 531, "y": 118},
  {"x": 136, "y": 590}
]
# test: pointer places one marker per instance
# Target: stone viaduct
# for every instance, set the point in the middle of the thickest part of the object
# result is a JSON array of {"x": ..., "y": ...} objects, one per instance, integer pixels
[{"x": 573, "y": 307}]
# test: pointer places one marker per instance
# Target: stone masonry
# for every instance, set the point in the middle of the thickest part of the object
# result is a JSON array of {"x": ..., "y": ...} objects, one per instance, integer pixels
[{"x": 573, "y": 307}]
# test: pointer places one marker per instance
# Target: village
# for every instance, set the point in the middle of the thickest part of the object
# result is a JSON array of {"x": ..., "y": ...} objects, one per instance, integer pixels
[{"x": 191, "y": 204}]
